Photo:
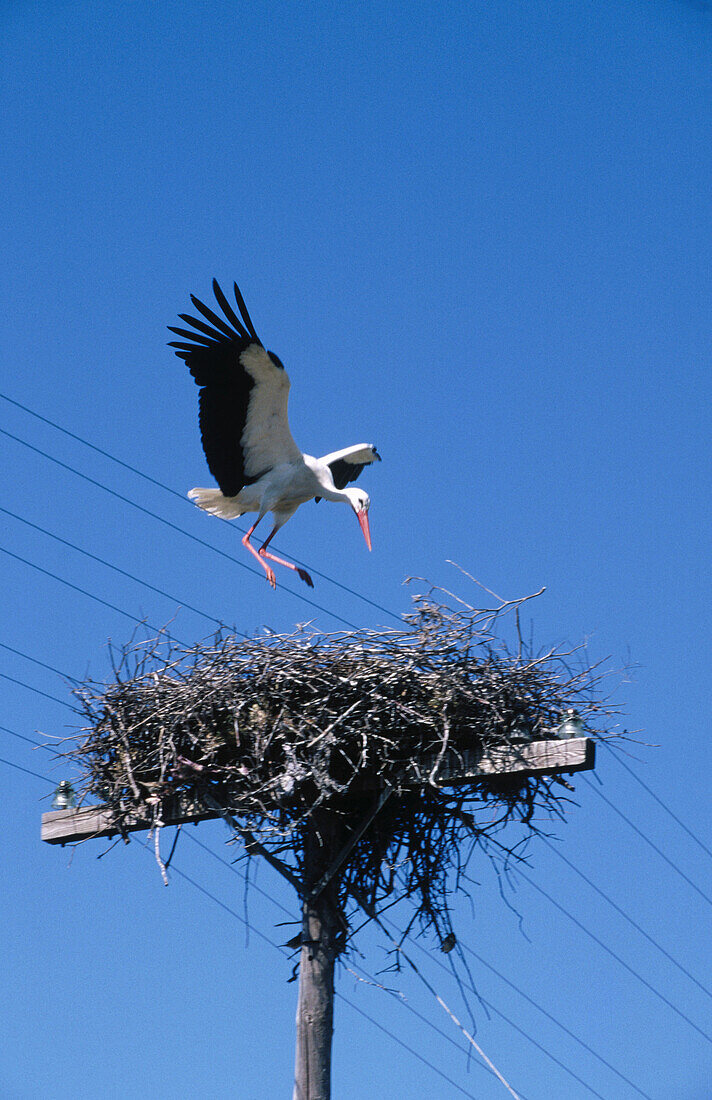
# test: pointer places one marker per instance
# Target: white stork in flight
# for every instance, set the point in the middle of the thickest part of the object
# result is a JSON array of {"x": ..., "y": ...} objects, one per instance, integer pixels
[{"x": 244, "y": 391}]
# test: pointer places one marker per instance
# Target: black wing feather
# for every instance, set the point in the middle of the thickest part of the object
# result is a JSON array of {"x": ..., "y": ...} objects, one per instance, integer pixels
[
  {"x": 344, "y": 472},
  {"x": 212, "y": 317},
  {"x": 206, "y": 330},
  {"x": 183, "y": 347},
  {"x": 245, "y": 315},
  {"x": 212, "y": 355},
  {"x": 222, "y": 410},
  {"x": 197, "y": 337},
  {"x": 229, "y": 311}
]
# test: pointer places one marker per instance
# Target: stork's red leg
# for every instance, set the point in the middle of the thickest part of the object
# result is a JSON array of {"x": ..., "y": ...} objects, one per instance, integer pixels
[
  {"x": 248, "y": 545},
  {"x": 280, "y": 561}
]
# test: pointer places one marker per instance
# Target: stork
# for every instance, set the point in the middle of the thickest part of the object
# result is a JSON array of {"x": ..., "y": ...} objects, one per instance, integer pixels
[{"x": 244, "y": 427}]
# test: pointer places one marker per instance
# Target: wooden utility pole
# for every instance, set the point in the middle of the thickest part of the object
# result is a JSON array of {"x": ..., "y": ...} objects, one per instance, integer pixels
[
  {"x": 326, "y": 847},
  {"x": 322, "y": 936}
]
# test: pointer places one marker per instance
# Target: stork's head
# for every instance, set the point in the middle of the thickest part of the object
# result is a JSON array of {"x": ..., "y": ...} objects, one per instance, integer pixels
[{"x": 361, "y": 502}]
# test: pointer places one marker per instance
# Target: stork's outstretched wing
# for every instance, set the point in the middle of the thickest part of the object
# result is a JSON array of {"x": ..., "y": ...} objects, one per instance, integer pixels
[
  {"x": 244, "y": 392},
  {"x": 347, "y": 464}
]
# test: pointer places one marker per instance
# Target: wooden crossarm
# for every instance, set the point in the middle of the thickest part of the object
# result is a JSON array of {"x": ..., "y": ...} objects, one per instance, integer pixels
[
  {"x": 530, "y": 758},
  {"x": 88, "y": 822},
  {"x": 471, "y": 766}
]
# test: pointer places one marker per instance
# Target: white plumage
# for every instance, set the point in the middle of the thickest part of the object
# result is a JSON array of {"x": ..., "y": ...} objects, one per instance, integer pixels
[{"x": 246, "y": 435}]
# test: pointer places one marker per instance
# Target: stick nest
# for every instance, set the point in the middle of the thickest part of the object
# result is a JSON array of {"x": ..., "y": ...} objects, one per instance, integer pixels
[{"x": 302, "y": 731}]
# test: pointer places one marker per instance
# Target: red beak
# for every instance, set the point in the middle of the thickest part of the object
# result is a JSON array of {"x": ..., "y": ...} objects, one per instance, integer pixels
[{"x": 362, "y": 518}]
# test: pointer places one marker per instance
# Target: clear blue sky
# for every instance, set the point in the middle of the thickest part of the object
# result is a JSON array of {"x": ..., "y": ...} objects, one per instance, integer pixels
[{"x": 478, "y": 235}]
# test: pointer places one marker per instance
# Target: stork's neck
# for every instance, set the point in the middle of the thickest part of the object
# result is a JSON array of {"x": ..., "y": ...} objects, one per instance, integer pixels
[
  {"x": 336, "y": 494},
  {"x": 327, "y": 489}
]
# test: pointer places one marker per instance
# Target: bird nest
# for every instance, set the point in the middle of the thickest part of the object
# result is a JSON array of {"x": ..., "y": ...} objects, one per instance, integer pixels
[{"x": 292, "y": 733}]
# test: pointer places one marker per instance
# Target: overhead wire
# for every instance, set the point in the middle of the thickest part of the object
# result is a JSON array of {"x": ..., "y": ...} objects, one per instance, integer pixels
[
  {"x": 644, "y": 981},
  {"x": 231, "y": 867},
  {"x": 36, "y": 661},
  {"x": 530, "y": 1038},
  {"x": 357, "y": 967},
  {"x": 627, "y": 917},
  {"x": 173, "y": 526},
  {"x": 117, "y": 569},
  {"x": 261, "y": 935},
  {"x": 405, "y": 1004},
  {"x": 38, "y": 691},
  {"x": 267, "y": 939},
  {"x": 488, "y": 1063},
  {"x": 82, "y": 591},
  {"x": 398, "y": 945},
  {"x": 405, "y": 1045},
  {"x": 161, "y": 592},
  {"x": 663, "y": 805},
  {"x": 643, "y": 836},
  {"x": 554, "y": 1020},
  {"x": 182, "y": 497},
  {"x": 27, "y": 771},
  {"x": 648, "y": 985},
  {"x": 533, "y": 884},
  {"x": 24, "y": 737},
  {"x": 492, "y": 1007},
  {"x": 535, "y": 1004},
  {"x": 219, "y": 622}
]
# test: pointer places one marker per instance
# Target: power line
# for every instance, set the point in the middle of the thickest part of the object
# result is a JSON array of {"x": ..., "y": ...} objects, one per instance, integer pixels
[
  {"x": 370, "y": 977},
  {"x": 435, "y": 1069},
  {"x": 231, "y": 867},
  {"x": 411, "y": 1050},
  {"x": 434, "y": 993},
  {"x": 543, "y": 1049},
  {"x": 657, "y": 799},
  {"x": 117, "y": 569},
  {"x": 27, "y": 771},
  {"x": 276, "y": 946},
  {"x": 618, "y": 959},
  {"x": 553, "y": 1019},
  {"x": 265, "y": 894},
  {"x": 77, "y": 588},
  {"x": 371, "y": 980},
  {"x": 650, "y": 843},
  {"x": 91, "y": 446},
  {"x": 628, "y": 918},
  {"x": 507, "y": 1020},
  {"x": 534, "y": 1004},
  {"x": 42, "y": 664},
  {"x": 51, "y": 668},
  {"x": 23, "y": 737},
  {"x": 182, "y": 497},
  {"x": 527, "y": 879},
  {"x": 36, "y": 661},
  {"x": 488, "y": 1004},
  {"x": 172, "y": 526},
  {"x": 266, "y": 938},
  {"x": 37, "y": 691},
  {"x": 341, "y": 996}
]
